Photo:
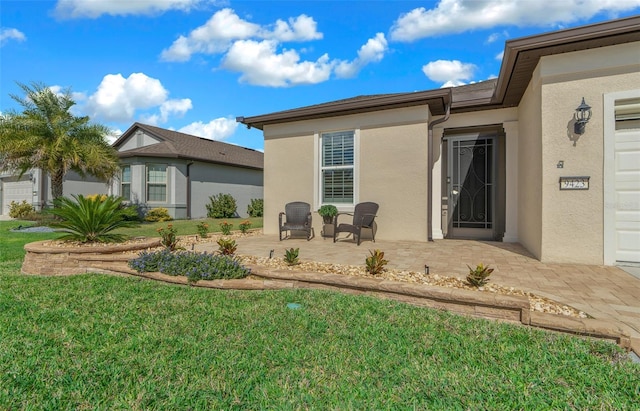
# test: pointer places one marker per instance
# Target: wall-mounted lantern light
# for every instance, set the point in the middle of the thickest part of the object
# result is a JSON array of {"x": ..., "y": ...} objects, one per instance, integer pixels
[{"x": 582, "y": 117}]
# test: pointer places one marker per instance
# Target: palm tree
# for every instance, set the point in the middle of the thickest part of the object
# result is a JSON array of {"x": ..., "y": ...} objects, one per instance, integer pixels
[{"x": 48, "y": 136}]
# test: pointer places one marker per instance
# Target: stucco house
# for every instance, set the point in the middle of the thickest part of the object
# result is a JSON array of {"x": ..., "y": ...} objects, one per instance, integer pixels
[
  {"x": 160, "y": 168},
  {"x": 34, "y": 187},
  {"x": 500, "y": 160},
  {"x": 178, "y": 171}
]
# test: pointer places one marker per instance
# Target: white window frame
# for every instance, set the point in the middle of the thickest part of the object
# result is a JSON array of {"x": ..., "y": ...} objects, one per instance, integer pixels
[
  {"x": 166, "y": 179},
  {"x": 123, "y": 183},
  {"x": 342, "y": 207}
]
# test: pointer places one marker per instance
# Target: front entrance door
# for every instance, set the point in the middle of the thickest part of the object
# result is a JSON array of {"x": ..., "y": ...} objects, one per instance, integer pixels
[{"x": 471, "y": 186}]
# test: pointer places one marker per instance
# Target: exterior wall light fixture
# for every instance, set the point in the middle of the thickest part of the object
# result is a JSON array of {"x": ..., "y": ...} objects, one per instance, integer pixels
[{"x": 582, "y": 117}]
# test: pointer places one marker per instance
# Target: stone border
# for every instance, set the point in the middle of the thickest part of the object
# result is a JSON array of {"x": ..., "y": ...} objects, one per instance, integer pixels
[
  {"x": 47, "y": 260},
  {"x": 44, "y": 260}
]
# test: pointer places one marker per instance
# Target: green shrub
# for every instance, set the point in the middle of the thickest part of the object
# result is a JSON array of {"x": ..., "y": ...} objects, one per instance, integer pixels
[
  {"x": 21, "y": 210},
  {"x": 291, "y": 256},
  {"x": 244, "y": 226},
  {"x": 169, "y": 238},
  {"x": 226, "y": 246},
  {"x": 88, "y": 220},
  {"x": 159, "y": 214},
  {"x": 203, "y": 229},
  {"x": 256, "y": 207},
  {"x": 221, "y": 206},
  {"x": 195, "y": 266},
  {"x": 375, "y": 262},
  {"x": 133, "y": 212},
  {"x": 226, "y": 227},
  {"x": 479, "y": 276}
]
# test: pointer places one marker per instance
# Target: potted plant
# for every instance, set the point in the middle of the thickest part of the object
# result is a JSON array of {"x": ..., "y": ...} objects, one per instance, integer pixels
[{"x": 328, "y": 213}]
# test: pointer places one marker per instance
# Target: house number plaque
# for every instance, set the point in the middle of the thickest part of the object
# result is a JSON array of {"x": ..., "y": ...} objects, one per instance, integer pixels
[{"x": 574, "y": 183}]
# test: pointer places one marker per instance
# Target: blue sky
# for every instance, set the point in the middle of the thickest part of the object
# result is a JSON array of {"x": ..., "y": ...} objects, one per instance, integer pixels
[{"x": 195, "y": 65}]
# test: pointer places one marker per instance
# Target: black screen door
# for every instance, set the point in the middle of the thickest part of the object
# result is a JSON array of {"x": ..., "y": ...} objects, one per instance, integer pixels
[{"x": 471, "y": 185}]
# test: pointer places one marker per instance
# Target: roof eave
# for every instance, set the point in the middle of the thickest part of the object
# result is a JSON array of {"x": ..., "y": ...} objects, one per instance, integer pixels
[
  {"x": 187, "y": 158},
  {"x": 385, "y": 102},
  {"x": 514, "y": 47}
]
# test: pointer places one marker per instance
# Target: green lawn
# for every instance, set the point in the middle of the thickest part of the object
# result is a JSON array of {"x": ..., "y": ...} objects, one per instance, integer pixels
[
  {"x": 107, "y": 342},
  {"x": 185, "y": 227}
]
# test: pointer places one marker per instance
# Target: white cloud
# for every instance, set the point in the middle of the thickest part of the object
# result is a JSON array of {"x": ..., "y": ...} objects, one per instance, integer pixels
[
  {"x": 492, "y": 38},
  {"x": 11, "y": 34},
  {"x": 372, "y": 51},
  {"x": 500, "y": 55},
  {"x": 261, "y": 64},
  {"x": 225, "y": 27},
  {"x": 218, "y": 129},
  {"x": 457, "y": 16},
  {"x": 301, "y": 28},
  {"x": 170, "y": 107},
  {"x": 96, "y": 8},
  {"x": 118, "y": 99},
  {"x": 113, "y": 135},
  {"x": 256, "y": 52},
  {"x": 450, "y": 72}
]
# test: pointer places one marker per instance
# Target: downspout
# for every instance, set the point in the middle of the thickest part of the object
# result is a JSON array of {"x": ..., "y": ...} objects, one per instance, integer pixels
[
  {"x": 430, "y": 166},
  {"x": 189, "y": 190}
]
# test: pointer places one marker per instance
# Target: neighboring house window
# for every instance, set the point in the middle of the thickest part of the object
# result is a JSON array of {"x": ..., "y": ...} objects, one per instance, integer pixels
[
  {"x": 125, "y": 183},
  {"x": 157, "y": 182},
  {"x": 337, "y": 167}
]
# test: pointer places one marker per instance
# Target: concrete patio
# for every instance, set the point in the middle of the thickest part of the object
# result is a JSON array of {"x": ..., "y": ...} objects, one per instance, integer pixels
[{"x": 604, "y": 292}]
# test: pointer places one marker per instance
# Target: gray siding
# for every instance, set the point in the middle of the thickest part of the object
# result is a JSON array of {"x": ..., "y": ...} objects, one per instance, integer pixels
[
  {"x": 206, "y": 180},
  {"x": 209, "y": 179}
]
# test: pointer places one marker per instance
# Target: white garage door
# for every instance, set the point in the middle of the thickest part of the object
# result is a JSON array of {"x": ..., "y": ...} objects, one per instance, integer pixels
[
  {"x": 16, "y": 191},
  {"x": 627, "y": 186}
]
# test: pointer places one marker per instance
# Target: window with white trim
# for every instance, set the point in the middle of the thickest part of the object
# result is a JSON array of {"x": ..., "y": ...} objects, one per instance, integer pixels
[
  {"x": 125, "y": 182},
  {"x": 157, "y": 182},
  {"x": 337, "y": 167}
]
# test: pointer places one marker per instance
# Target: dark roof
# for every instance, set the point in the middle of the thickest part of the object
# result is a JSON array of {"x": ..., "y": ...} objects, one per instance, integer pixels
[
  {"x": 521, "y": 56},
  {"x": 174, "y": 144}
]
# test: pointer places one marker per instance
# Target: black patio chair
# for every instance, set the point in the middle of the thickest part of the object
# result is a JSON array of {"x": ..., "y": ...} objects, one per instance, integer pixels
[
  {"x": 297, "y": 217},
  {"x": 363, "y": 217}
]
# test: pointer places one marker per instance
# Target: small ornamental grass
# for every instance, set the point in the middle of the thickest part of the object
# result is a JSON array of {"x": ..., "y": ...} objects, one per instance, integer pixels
[
  {"x": 195, "y": 266},
  {"x": 291, "y": 256},
  {"x": 90, "y": 219}
]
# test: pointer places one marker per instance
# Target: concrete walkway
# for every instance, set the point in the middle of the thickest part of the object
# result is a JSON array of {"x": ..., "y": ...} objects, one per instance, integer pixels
[{"x": 606, "y": 293}]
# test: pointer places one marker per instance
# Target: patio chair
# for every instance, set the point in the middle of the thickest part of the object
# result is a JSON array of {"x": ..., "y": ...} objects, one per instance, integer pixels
[
  {"x": 363, "y": 217},
  {"x": 297, "y": 217}
]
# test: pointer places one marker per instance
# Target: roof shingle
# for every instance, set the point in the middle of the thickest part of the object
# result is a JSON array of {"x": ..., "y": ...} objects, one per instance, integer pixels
[{"x": 174, "y": 144}]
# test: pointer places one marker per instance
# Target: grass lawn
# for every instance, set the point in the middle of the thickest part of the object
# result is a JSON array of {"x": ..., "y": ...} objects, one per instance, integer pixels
[
  {"x": 185, "y": 227},
  {"x": 107, "y": 342}
]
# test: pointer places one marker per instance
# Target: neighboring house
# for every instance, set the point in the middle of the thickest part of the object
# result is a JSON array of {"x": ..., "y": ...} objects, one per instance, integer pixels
[
  {"x": 160, "y": 168},
  {"x": 498, "y": 160},
  {"x": 34, "y": 187},
  {"x": 177, "y": 171}
]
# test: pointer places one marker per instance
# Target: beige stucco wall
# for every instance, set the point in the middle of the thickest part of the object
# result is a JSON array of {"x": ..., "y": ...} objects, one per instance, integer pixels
[
  {"x": 529, "y": 167},
  {"x": 572, "y": 221},
  {"x": 391, "y": 168}
]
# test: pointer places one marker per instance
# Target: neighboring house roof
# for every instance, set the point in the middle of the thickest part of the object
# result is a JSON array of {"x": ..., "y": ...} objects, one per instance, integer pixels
[
  {"x": 173, "y": 144},
  {"x": 521, "y": 56}
]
